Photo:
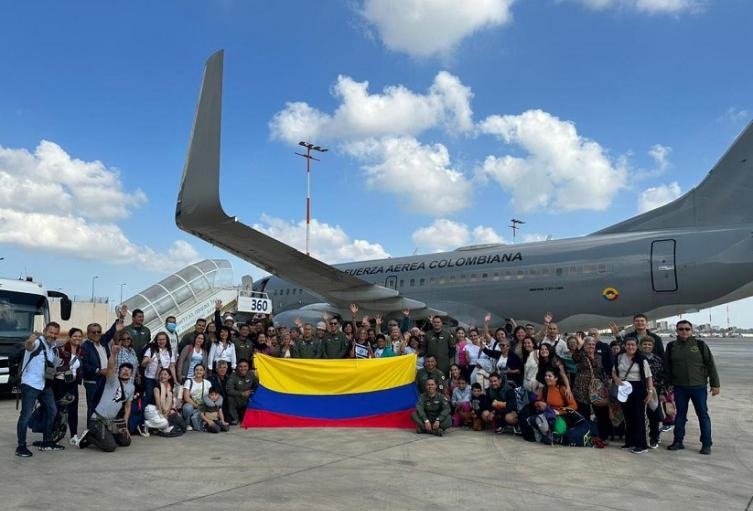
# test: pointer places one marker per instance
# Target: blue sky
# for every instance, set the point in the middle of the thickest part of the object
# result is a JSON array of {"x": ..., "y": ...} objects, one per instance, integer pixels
[{"x": 571, "y": 115}]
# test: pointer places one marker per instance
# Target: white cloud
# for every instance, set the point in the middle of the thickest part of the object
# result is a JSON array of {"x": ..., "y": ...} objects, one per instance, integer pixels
[
  {"x": 563, "y": 171},
  {"x": 328, "y": 243},
  {"x": 646, "y": 6},
  {"x": 445, "y": 234},
  {"x": 660, "y": 154},
  {"x": 656, "y": 196},
  {"x": 396, "y": 111},
  {"x": 735, "y": 115},
  {"x": 52, "y": 202},
  {"x": 424, "y": 28},
  {"x": 422, "y": 174}
]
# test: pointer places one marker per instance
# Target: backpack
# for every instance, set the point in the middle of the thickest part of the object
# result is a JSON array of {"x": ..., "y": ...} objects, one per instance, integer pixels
[{"x": 16, "y": 360}]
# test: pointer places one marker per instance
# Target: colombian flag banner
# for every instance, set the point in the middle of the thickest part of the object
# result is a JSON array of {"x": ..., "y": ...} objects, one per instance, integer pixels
[{"x": 347, "y": 393}]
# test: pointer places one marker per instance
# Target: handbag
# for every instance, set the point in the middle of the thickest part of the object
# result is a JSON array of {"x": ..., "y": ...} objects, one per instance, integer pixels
[{"x": 598, "y": 394}]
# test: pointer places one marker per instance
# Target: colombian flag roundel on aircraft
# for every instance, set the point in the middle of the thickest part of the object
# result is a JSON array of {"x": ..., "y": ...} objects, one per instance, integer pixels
[{"x": 610, "y": 294}]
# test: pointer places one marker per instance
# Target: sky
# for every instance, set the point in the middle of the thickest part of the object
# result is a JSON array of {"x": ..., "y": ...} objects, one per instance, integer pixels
[{"x": 443, "y": 121}]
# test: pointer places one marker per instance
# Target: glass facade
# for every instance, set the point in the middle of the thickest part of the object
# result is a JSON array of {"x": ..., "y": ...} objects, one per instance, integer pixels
[{"x": 182, "y": 289}]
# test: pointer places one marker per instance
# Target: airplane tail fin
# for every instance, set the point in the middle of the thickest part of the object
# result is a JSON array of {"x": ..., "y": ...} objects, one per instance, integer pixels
[{"x": 724, "y": 197}]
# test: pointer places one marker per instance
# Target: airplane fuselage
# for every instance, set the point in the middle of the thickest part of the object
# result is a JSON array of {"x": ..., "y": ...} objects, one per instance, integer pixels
[{"x": 585, "y": 281}]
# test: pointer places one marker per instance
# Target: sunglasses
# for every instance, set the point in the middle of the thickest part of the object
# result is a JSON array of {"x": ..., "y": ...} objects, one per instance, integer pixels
[
  {"x": 334, "y": 323},
  {"x": 681, "y": 329},
  {"x": 95, "y": 332}
]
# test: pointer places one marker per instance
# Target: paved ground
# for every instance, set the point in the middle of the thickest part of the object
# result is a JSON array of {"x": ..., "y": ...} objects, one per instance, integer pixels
[{"x": 346, "y": 469}]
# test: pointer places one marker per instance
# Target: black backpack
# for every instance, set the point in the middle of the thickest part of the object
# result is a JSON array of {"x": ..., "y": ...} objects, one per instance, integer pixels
[{"x": 16, "y": 360}]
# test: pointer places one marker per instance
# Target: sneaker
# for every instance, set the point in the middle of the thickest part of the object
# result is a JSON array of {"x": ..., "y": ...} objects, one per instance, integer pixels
[
  {"x": 653, "y": 445},
  {"x": 676, "y": 446},
  {"x": 51, "y": 446},
  {"x": 706, "y": 449},
  {"x": 189, "y": 428},
  {"x": 667, "y": 427},
  {"x": 143, "y": 430},
  {"x": 499, "y": 430},
  {"x": 74, "y": 441},
  {"x": 638, "y": 450},
  {"x": 516, "y": 430},
  {"x": 23, "y": 452}
]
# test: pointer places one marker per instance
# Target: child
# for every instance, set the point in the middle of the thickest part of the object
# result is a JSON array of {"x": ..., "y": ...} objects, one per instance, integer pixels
[
  {"x": 479, "y": 403},
  {"x": 461, "y": 403},
  {"x": 361, "y": 348},
  {"x": 383, "y": 350},
  {"x": 213, "y": 421}
]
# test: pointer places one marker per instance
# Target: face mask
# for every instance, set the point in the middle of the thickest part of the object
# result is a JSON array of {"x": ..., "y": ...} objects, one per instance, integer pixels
[{"x": 171, "y": 327}]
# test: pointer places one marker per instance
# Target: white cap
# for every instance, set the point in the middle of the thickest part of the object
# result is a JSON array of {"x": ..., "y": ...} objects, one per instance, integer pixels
[{"x": 623, "y": 391}]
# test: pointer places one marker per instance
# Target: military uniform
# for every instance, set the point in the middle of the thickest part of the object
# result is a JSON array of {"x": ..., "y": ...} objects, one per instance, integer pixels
[
  {"x": 307, "y": 349},
  {"x": 141, "y": 336},
  {"x": 244, "y": 349},
  {"x": 334, "y": 345},
  {"x": 422, "y": 375},
  {"x": 438, "y": 344},
  {"x": 432, "y": 409},
  {"x": 236, "y": 385}
]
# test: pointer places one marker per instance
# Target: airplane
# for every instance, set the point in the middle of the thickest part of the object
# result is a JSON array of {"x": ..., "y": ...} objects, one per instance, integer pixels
[{"x": 693, "y": 253}]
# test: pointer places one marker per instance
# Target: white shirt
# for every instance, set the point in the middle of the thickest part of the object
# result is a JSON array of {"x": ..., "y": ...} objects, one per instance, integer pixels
[
  {"x": 157, "y": 360},
  {"x": 561, "y": 346},
  {"x": 472, "y": 352},
  {"x": 197, "y": 391},
  {"x": 220, "y": 352},
  {"x": 33, "y": 368}
]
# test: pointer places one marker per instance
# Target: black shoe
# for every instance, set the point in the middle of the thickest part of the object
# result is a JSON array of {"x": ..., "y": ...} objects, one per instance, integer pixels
[
  {"x": 23, "y": 452},
  {"x": 638, "y": 450},
  {"x": 233, "y": 422},
  {"x": 626, "y": 446},
  {"x": 706, "y": 449},
  {"x": 676, "y": 446},
  {"x": 439, "y": 433},
  {"x": 51, "y": 446},
  {"x": 37, "y": 443}
]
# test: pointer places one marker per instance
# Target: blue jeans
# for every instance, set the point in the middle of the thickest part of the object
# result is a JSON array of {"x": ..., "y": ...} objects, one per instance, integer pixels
[
  {"x": 93, "y": 394},
  {"x": 29, "y": 396},
  {"x": 698, "y": 394}
]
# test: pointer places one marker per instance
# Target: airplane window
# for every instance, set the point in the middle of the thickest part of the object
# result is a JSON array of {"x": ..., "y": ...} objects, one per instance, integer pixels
[
  {"x": 602, "y": 268},
  {"x": 496, "y": 275},
  {"x": 462, "y": 277},
  {"x": 521, "y": 274},
  {"x": 412, "y": 282},
  {"x": 588, "y": 268},
  {"x": 452, "y": 279},
  {"x": 532, "y": 273},
  {"x": 558, "y": 272},
  {"x": 473, "y": 277},
  {"x": 287, "y": 291},
  {"x": 484, "y": 275},
  {"x": 421, "y": 282},
  {"x": 431, "y": 281},
  {"x": 545, "y": 272},
  {"x": 508, "y": 275},
  {"x": 402, "y": 282},
  {"x": 573, "y": 270},
  {"x": 441, "y": 282}
]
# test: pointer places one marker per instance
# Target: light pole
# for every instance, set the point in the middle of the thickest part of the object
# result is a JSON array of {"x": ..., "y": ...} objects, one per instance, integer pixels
[
  {"x": 93, "y": 279},
  {"x": 309, "y": 147},
  {"x": 514, "y": 227},
  {"x": 121, "y": 292}
]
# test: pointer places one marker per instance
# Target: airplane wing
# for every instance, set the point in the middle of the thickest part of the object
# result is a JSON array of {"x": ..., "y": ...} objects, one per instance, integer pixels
[{"x": 200, "y": 213}]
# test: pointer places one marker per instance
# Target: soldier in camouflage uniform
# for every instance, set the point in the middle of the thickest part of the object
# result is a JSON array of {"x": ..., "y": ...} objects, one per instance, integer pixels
[
  {"x": 440, "y": 342},
  {"x": 430, "y": 371},
  {"x": 432, "y": 413}
]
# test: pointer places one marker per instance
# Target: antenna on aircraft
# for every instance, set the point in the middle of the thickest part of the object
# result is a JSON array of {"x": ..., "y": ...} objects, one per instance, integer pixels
[
  {"x": 515, "y": 227},
  {"x": 309, "y": 147}
]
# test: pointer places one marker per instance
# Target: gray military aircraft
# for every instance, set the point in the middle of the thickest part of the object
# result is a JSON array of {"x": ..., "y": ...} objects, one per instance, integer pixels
[{"x": 692, "y": 253}]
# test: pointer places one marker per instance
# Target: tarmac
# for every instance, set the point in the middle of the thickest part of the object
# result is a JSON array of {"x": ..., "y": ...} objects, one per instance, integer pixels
[{"x": 295, "y": 469}]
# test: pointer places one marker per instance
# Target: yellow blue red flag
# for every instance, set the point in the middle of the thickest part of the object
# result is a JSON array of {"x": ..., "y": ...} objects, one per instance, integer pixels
[{"x": 377, "y": 393}]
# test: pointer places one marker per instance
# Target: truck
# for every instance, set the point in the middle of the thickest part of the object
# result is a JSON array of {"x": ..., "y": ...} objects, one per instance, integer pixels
[{"x": 24, "y": 309}]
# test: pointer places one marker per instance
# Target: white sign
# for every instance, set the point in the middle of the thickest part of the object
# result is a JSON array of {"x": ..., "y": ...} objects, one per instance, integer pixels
[{"x": 254, "y": 305}]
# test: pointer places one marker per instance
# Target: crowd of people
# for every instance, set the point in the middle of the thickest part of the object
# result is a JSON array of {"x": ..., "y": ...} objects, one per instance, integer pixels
[{"x": 538, "y": 384}]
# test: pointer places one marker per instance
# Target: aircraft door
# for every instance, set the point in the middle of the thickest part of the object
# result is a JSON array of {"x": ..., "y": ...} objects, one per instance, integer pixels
[
  {"x": 391, "y": 282},
  {"x": 663, "y": 269}
]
